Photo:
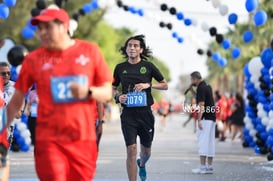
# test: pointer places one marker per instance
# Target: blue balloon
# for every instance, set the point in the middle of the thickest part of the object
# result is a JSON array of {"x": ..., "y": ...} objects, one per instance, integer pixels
[
  {"x": 247, "y": 36},
  {"x": 10, "y": 3},
  {"x": 180, "y": 16},
  {"x": 257, "y": 149},
  {"x": 226, "y": 44},
  {"x": 216, "y": 56},
  {"x": 263, "y": 135},
  {"x": 95, "y": 4},
  {"x": 180, "y": 40},
  {"x": 20, "y": 140},
  {"x": 251, "y": 5},
  {"x": 235, "y": 53},
  {"x": 24, "y": 147},
  {"x": 187, "y": 22},
  {"x": 132, "y": 10},
  {"x": 232, "y": 18},
  {"x": 270, "y": 132},
  {"x": 260, "y": 18},
  {"x": 4, "y": 11},
  {"x": 13, "y": 73},
  {"x": 270, "y": 140},
  {"x": 266, "y": 57},
  {"x": 174, "y": 35},
  {"x": 246, "y": 71},
  {"x": 87, "y": 8},
  {"x": 140, "y": 12},
  {"x": 34, "y": 28},
  {"x": 27, "y": 33},
  {"x": 222, "y": 62}
]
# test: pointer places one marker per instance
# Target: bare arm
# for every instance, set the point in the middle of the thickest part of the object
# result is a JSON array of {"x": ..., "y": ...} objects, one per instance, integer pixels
[
  {"x": 162, "y": 85},
  {"x": 101, "y": 93},
  {"x": 14, "y": 106},
  {"x": 100, "y": 110}
]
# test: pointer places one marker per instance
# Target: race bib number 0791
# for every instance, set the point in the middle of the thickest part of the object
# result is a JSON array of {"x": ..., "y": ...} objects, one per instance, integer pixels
[{"x": 60, "y": 87}]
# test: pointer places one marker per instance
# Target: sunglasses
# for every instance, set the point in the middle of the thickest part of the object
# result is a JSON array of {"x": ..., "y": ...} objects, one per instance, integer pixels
[{"x": 5, "y": 73}]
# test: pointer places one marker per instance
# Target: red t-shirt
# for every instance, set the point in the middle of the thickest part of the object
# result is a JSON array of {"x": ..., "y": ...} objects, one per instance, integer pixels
[{"x": 70, "y": 120}]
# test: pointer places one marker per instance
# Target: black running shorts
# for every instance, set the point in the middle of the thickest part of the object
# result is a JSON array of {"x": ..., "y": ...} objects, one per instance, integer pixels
[{"x": 138, "y": 122}]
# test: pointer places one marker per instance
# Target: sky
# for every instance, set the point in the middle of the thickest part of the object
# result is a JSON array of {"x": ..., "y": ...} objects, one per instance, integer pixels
[{"x": 181, "y": 58}]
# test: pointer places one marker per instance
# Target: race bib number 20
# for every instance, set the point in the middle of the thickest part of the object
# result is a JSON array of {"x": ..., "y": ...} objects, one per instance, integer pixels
[{"x": 60, "y": 87}]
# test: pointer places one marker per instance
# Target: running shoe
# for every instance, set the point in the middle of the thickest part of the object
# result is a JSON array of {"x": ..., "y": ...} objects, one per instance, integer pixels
[{"x": 142, "y": 171}]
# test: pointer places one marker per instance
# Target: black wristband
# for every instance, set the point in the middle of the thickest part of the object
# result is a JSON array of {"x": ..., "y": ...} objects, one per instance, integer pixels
[
  {"x": 117, "y": 98},
  {"x": 89, "y": 93}
]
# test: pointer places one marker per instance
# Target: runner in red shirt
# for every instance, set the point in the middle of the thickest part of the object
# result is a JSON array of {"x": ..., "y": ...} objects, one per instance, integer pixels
[{"x": 71, "y": 75}]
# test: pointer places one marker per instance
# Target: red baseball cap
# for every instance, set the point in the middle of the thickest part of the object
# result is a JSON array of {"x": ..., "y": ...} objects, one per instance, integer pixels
[{"x": 49, "y": 15}]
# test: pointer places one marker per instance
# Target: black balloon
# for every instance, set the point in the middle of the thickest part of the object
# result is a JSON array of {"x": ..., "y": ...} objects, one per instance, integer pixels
[
  {"x": 35, "y": 12},
  {"x": 81, "y": 12},
  {"x": 169, "y": 26},
  {"x": 270, "y": 157},
  {"x": 245, "y": 144},
  {"x": 119, "y": 3},
  {"x": 76, "y": 16},
  {"x": 209, "y": 54},
  {"x": 161, "y": 24},
  {"x": 213, "y": 31},
  {"x": 173, "y": 11},
  {"x": 59, "y": 3},
  {"x": 126, "y": 8},
  {"x": 163, "y": 7},
  {"x": 17, "y": 54},
  {"x": 200, "y": 51},
  {"x": 219, "y": 38},
  {"x": 263, "y": 150},
  {"x": 41, "y": 4},
  {"x": 263, "y": 86}
]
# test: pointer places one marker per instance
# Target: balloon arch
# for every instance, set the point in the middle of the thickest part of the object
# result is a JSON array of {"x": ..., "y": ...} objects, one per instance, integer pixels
[{"x": 258, "y": 72}]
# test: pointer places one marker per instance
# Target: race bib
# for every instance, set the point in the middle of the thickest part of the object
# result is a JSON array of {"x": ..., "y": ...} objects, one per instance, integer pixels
[
  {"x": 136, "y": 99},
  {"x": 33, "y": 110},
  {"x": 3, "y": 119},
  {"x": 60, "y": 87}
]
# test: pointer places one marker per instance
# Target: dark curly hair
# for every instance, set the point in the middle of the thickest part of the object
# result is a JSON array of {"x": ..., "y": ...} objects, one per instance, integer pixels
[{"x": 146, "y": 53}]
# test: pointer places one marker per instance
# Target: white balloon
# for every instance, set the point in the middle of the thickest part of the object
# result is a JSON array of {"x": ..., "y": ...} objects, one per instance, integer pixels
[
  {"x": 257, "y": 85},
  {"x": 18, "y": 69},
  {"x": 254, "y": 79},
  {"x": 270, "y": 124},
  {"x": 205, "y": 26},
  {"x": 215, "y": 3},
  {"x": 267, "y": 128},
  {"x": 270, "y": 114},
  {"x": 193, "y": 21},
  {"x": 223, "y": 9},
  {"x": 261, "y": 113},
  {"x": 73, "y": 25},
  {"x": 265, "y": 121},
  {"x": 260, "y": 106},
  {"x": 26, "y": 133},
  {"x": 21, "y": 127},
  {"x": 254, "y": 66},
  {"x": 249, "y": 126},
  {"x": 28, "y": 140},
  {"x": 53, "y": 6},
  {"x": 252, "y": 132}
]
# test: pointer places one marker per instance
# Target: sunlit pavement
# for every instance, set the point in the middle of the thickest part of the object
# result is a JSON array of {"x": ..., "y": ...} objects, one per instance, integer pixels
[{"x": 174, "y": 154}]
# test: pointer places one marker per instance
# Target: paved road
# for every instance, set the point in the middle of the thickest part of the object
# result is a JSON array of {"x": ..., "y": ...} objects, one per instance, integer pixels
[{"x": 174, "y": 154}]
